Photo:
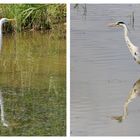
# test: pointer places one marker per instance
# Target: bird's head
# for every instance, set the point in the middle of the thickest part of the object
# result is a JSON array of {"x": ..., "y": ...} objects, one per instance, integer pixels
[
  {"x": 117, "y": 24},
  {"x": 3, "y": 20}
]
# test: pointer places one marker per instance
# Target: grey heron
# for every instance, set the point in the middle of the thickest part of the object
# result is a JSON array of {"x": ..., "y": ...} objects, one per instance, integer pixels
[{"x": 134, "y": 50}]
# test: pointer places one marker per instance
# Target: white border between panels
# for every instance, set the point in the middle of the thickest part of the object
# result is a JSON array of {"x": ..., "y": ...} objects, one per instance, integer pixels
[
  {"x": 33, "y": 1},
  {"x": 68, "y": 70},
  {"x": 105, "y": 1},
  {"x": 68, "y": 2}
]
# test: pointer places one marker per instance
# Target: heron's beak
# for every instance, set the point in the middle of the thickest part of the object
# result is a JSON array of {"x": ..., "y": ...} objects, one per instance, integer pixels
[{"x": 112, "y": 25}]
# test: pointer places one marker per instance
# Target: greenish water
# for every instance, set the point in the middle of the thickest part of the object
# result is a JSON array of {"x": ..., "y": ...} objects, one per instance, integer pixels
[{"x": 33, "y": 84}]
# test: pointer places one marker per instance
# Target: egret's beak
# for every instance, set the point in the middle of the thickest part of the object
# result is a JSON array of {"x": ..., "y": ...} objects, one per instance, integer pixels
[
  {"x": 11, "y": 20},
  {"x": 112, "y": 25}
]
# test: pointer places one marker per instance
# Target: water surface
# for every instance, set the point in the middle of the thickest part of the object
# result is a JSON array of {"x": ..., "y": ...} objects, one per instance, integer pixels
[
  {"x": 103, "y": 73},
  {"x": 33, "y": 84}
]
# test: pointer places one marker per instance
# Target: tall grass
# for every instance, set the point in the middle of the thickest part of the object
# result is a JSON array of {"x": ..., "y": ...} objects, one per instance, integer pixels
[
  {"x": 34, "y": 16},
  {"x": 33, "y": 84}
]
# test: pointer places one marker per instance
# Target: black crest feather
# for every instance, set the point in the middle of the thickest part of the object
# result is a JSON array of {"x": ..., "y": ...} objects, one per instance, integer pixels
[{"x": 120, "y": 22}]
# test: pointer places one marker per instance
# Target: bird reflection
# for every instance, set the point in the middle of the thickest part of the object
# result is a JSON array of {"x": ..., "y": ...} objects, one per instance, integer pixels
[
  {"x": 134, "y": 92},
  {"x": 3, "y": 121}
]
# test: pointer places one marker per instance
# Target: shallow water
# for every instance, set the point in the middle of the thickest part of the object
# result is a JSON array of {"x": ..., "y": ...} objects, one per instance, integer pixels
[
  {"x": 33, "y": 84},
  {"x": 103, "y": 72}
]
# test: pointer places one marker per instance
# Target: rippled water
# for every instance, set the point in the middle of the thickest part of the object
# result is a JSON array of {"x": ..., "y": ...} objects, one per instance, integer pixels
[
  {"x": 103, "y": 72},
  {"x": 33, "y": 84}
]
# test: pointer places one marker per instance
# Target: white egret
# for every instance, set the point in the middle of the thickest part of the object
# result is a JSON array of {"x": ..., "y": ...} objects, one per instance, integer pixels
[
  {"x": 2, "y": 21},
  {"x": 134, "y": 50}
]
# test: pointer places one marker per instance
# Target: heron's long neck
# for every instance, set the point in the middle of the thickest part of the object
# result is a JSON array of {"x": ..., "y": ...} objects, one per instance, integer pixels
[{"x": 128, "y": 42}]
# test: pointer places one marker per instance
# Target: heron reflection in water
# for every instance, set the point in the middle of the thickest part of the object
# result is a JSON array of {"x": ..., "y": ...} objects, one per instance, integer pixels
[{"x": 134, "y": 92}]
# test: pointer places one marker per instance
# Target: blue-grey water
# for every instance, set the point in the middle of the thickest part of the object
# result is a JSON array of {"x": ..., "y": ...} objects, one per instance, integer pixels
[{"x": 104, "y": 101}]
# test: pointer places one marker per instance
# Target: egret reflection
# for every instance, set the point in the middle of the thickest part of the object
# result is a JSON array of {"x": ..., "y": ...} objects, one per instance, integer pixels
[
  {"x": 3, "y": 121},
  {"x": 134, "y": 92}
]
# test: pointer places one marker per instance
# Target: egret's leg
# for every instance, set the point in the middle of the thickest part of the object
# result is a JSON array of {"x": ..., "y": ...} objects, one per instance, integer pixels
[{"x": 2, "y": 111}]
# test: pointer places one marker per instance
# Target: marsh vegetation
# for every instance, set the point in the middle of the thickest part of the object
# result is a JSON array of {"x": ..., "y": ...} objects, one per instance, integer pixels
[
  {"x": 34, "y": 16},
  {"x": 33, "y": 70}
]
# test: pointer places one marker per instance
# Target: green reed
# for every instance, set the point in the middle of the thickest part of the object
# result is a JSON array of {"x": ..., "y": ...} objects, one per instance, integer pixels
[{"x": 34, "y": 16}]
